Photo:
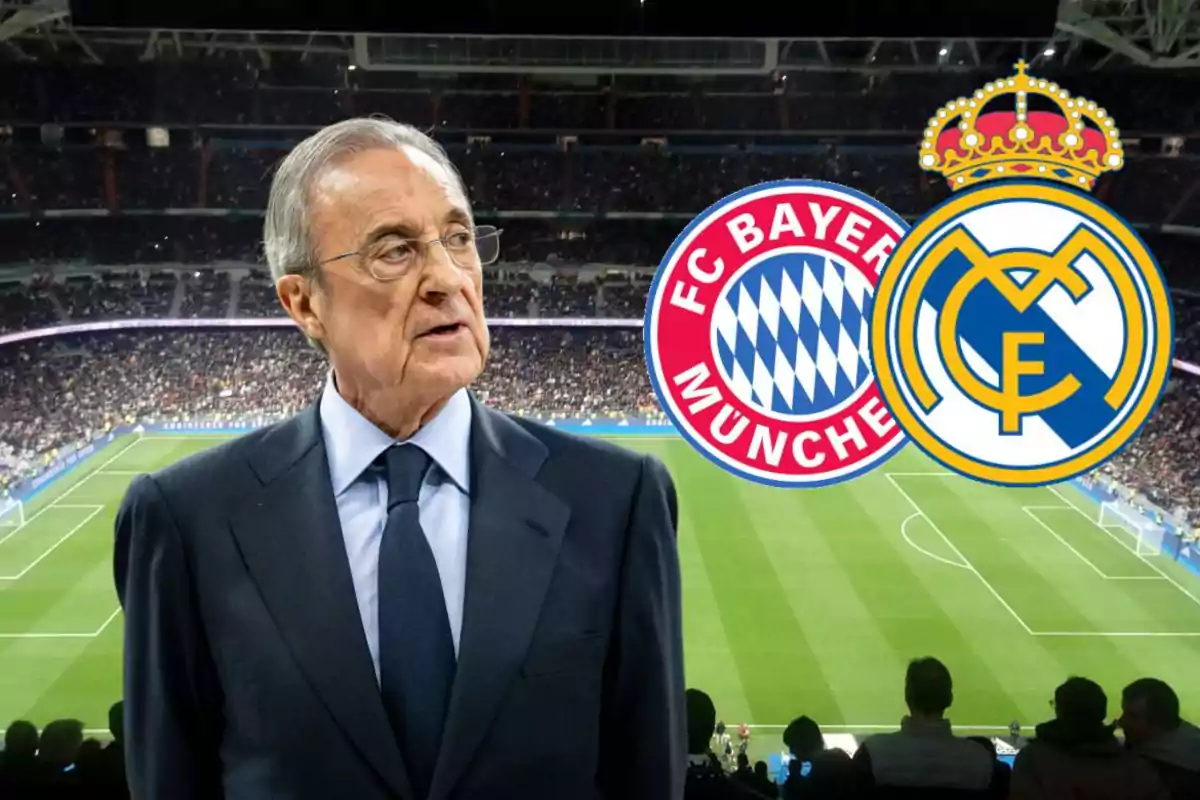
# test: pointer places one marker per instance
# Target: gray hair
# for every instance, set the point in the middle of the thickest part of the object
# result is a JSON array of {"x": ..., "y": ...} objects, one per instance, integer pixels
[{"x": 287, "y": 241}]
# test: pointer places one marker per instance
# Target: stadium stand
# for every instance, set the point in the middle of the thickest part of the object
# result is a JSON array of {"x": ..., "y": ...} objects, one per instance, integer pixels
[{"x": 590, "y": 182}]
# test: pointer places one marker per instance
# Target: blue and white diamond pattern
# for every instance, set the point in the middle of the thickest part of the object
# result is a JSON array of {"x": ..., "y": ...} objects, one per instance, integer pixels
[{"x": 791, "y": 334}]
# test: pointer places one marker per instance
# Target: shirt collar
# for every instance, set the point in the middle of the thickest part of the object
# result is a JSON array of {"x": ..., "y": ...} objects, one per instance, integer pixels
[{"x": 352, "y": 442}]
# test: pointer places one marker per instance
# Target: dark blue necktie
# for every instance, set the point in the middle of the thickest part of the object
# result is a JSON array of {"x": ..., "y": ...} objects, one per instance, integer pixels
[{"x": 416, "y": 651}]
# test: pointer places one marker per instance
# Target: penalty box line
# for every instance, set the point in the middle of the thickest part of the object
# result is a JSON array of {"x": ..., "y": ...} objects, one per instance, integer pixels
[
  {"x": 891, "y": 476},
  {"x": 90, "y": 635},
  {"x": 57, "y": 502},
  {"x": 96, "y": 510},
  {"x": 1116, "y": 538},
  {"x": 1031, "y": 511}
]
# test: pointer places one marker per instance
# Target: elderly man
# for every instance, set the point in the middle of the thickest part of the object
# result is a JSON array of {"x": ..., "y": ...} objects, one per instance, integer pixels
[{"x": 399, "y": 593}]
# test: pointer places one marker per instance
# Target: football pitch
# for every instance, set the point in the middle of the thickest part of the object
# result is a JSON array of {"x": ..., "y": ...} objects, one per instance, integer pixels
[{"x": 795, "y": 602}]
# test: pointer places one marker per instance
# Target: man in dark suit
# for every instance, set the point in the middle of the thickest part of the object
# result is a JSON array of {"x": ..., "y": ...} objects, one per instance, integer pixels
[{"x": 399, "y": 593}]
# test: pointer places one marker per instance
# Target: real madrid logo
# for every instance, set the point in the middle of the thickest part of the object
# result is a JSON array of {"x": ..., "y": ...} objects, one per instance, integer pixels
[
  {"x": 1022, "y": 332},
  {"x": 757, "y": 332}
]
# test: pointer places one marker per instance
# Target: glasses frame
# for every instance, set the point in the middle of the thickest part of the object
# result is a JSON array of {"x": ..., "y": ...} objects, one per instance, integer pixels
[{"x": 492, "y": 233}]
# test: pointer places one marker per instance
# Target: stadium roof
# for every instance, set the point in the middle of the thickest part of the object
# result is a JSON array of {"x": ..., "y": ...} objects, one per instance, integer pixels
[{"x": 1095, "y": 34}]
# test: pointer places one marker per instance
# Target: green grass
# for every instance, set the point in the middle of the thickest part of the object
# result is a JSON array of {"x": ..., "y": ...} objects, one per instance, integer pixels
[{"x": 794, "y": 601}]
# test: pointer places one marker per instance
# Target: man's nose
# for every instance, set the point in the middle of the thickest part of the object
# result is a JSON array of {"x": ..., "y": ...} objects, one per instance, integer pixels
[{"x": 440, "y": 274}]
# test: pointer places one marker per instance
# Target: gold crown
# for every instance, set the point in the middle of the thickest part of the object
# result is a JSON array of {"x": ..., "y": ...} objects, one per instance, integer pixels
[{"x": 969, "y": 144}]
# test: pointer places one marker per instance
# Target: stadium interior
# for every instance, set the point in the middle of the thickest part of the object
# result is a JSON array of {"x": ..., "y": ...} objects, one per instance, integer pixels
[{"x": 139, "y": 324}]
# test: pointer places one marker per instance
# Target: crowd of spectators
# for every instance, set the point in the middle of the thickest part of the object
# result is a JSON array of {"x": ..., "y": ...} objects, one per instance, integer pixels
[
  {"x": 512, "y": 290},
  {"x": 62, "y": 391},
  {"x": 50, "y": 400},
  {"x": 209, "y": 294},
  {"x": 1152, "y": 188},
  {"x": 521, "y": 286},
  {"x": 1075, "y": 754},
  {"x": 202, "y": 241},
  {"x": 239, "y": 89},
  {"x": 1163, "y": 462},
  {"x": 58, "y": 763}
]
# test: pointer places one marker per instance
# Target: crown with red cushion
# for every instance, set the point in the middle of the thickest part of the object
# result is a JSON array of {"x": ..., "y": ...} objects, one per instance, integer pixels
[{"x": 969, "y": 144}]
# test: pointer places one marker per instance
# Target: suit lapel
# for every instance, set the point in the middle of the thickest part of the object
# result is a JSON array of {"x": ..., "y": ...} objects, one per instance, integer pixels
[
  {"x": 291, "y": 540},
  {"x": 516, "y": 528}
]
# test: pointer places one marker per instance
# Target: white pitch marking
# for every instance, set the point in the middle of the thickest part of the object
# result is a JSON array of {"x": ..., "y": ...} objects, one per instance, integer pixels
[
  {"x": 52, "y": 547},
  {"x": 175, "y": 437},
  {"x": 640, "y": 438},
  {"x": 1137, "y": 634},
  {"x": 1029, "y": 510},
  {"x": 69, "y": 490},
  {"x": 1135, "y": 578},
  {"x": 919, "y": 549},
  {"x": 958, "y": 552},
  {"x": 1144, "y": 560},
  {"x": 92, "y": 635},
  {"x": 108, "y": 621}
]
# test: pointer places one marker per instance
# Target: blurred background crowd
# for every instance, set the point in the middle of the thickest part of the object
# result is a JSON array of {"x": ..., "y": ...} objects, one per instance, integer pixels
[{"x": 590, "y": 182}]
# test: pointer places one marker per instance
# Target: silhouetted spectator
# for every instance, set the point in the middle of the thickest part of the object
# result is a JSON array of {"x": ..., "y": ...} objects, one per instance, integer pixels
[
  {"x": 924, "y": 758},
  {"x": 18, "y": 761},
  {"x": 1003, "y": 776},
  {"x": 754, "y": 782},
  {"x": 705, "y": 778},
  {"x": 88, "y": 768},
  {"x": 762, "y": 780},
  {"x": 109, "y": 778},
  {"x": 1155, "y": 732},
  {"x": 743, "y": 774},
  {"x": 59, "y": 777},
  {"x": 815, "y": 773},
  {"x": 1076, "y": 755}
]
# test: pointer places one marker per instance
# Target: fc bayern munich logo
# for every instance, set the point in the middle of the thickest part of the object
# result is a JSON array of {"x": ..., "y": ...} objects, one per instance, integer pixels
[{"x": 756, "y": 333}]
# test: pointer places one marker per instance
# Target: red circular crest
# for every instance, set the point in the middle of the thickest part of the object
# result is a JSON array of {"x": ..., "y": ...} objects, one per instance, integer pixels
[{"x": 756, "y": 333}]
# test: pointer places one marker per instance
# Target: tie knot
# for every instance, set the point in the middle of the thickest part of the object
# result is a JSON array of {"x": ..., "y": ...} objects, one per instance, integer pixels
[{"x": 406, "y": 466}]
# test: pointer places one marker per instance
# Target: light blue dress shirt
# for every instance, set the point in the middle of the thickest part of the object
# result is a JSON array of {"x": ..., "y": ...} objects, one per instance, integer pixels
[{"x": 352, "y": 443}]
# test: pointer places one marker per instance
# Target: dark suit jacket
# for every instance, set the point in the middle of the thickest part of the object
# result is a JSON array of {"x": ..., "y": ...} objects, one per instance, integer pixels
[{"x": 247, "y": 673}]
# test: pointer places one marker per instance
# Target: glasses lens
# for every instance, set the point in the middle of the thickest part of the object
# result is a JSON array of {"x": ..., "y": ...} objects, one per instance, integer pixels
[{"x": 487, "y": 242}]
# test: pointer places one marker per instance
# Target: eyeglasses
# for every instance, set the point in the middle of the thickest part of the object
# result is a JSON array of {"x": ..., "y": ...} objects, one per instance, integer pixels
[{"x": 391, "y": 257}]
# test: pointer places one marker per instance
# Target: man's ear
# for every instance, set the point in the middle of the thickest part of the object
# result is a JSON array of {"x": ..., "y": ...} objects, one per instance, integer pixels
[{"x": 297, "y": 295}]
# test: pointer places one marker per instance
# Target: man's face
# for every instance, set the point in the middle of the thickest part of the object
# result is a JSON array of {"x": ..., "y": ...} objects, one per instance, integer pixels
[
  {"x": 1134, "y": 723},
  {"x": 425, "y": 331}
]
